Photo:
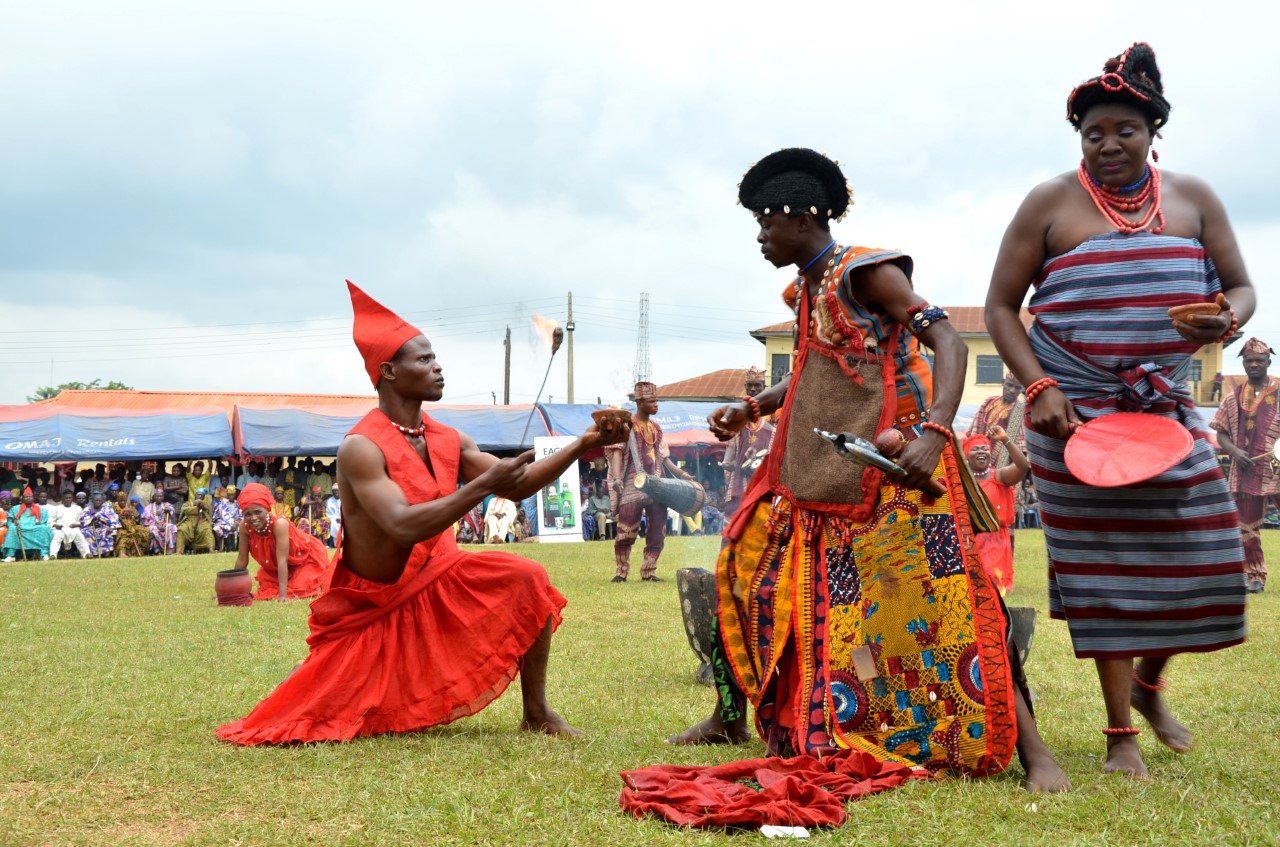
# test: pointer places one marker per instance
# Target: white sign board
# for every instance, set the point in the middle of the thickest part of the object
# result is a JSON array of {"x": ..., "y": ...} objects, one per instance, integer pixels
[{"x": 559, "y": 502}]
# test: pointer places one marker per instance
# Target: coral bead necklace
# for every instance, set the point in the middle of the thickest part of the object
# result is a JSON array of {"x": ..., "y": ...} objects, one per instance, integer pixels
[{"x": 1113, "y": 203}]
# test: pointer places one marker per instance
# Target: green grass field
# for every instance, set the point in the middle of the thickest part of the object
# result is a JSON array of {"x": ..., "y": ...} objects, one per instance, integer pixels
[{"x": 115, "y": 673}]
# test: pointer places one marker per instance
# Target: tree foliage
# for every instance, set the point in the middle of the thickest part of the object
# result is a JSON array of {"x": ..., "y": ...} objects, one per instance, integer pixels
[{"x": 48, "y": 392}]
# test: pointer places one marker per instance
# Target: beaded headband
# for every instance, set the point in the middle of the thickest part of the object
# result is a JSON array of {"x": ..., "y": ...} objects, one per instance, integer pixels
[{"x": 1131, "y": 78}]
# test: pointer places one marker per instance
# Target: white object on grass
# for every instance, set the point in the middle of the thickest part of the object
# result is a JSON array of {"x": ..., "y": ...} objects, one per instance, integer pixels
[{"x": 771, "y": 831}]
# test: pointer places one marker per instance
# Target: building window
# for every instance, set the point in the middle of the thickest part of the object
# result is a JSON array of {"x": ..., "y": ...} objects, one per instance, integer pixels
[
  {"x": 779, "y": 366},
  {"x": 990, "y": 370},
  {"x": 1196, "y": 372}
]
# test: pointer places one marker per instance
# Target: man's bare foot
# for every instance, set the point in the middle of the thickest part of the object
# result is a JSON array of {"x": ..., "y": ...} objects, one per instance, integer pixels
[
  {"x": 1044, "y": 776},
  {"x": 1124, "y": 757},
  {"x": 549, "y": 722},
  {"x": 1151, "y": 706},
  {"x": 713, "y": 731}
]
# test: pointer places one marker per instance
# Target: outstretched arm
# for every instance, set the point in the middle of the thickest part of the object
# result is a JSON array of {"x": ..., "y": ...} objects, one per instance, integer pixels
[
  {"x": 531, "y": 477},
  {"x": 364, "y": 477},
  {"x": 725, "y": 421}
]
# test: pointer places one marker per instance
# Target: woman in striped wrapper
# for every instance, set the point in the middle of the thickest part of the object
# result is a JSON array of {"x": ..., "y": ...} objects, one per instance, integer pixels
[{"x": 1152, "y": 569}]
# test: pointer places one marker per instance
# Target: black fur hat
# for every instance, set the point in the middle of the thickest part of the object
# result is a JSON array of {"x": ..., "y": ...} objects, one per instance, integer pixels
[{"x": 796, "y": 181}]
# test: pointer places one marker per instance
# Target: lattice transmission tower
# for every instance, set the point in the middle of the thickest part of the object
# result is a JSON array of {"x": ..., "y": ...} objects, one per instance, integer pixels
[{"x": 643, "y": 370}]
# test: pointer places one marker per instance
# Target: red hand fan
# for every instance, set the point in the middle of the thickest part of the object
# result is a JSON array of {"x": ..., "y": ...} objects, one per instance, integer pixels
[{"x": 1126, "y": 448}]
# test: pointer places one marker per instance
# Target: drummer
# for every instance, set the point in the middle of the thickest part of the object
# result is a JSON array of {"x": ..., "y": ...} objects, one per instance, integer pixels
[
  {"x": 645, "y": 451},
  {"x": 1248, "y": 428},
  {"x": 1144, "y": 571}
]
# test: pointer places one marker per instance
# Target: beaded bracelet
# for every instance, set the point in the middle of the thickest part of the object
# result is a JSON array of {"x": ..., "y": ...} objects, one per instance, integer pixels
[
  {"x": 922, "y": 316},
  {"x": 1121, "y": 730},
  {"x": 1034, "y": 389},
  {"x": 939, "y": 428},
  {"x": 1231, "y": 330},
  {"x": 753, "y": 405}
]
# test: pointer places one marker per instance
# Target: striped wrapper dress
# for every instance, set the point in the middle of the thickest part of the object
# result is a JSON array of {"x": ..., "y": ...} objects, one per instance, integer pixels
[{"x": 1155, "y": 568}]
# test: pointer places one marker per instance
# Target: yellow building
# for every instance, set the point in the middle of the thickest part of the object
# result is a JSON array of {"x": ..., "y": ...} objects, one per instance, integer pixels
[{"x": 985, "y": 368}]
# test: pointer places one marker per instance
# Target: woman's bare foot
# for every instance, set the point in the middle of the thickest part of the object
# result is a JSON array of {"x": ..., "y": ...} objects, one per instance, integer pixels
[
  {"x": 1043, "y": 775},
  {"x": 1151, "y": 706},
  {"x": 549, "y": 722},
  {"x": 714, "y": 731},
  {"x": 1124, "y": 757}
]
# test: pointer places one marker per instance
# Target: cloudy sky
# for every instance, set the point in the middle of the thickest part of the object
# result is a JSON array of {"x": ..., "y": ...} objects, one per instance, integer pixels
[{"x": 186, "y": 184}]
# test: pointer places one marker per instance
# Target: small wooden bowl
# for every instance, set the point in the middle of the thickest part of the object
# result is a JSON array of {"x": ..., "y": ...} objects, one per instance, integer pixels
[{"x": 613, "y": 424}]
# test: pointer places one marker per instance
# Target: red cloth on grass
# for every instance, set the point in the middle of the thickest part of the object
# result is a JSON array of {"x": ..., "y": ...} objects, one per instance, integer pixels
[
  {"x": 801, "y": 791},
  {"x": 440, "y": 643},
  {"x": 309, "y": 568}
]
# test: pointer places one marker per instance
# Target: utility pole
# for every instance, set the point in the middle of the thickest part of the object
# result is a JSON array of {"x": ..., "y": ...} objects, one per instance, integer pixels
[
  {"x": 506, "y": 373},
  {"x": 569, "y": 329}
]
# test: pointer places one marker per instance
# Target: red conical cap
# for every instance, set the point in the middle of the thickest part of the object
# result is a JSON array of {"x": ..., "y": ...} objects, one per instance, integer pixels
[{"x": 377, "y": 331}]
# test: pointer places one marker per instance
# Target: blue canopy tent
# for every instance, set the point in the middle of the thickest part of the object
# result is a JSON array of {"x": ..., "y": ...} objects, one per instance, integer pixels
[
  {"x": 318, "y": 430},
  {"x": 683, "y": 422},
  {"x": 569, "y": 418},
  {"x": 41, "y": 433}
]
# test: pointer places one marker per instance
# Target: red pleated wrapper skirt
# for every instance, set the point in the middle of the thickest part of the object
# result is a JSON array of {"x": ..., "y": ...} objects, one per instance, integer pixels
[{"x": 444, "y": 653}]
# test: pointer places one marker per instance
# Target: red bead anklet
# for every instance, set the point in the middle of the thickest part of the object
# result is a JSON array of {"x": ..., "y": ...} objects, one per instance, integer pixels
[
  {"x": 939, "y": 428},
  {"x": 1160, "y": 684},
  {"x": 1121, "y": 730}
]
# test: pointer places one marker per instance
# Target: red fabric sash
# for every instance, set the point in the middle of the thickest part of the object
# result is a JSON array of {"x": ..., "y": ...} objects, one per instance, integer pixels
[
  {"x": 345, "y": 608},
  {"x": 802, "y": 791}
]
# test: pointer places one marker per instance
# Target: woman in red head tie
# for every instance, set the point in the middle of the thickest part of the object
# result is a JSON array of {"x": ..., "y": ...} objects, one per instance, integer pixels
[
  {"x": 995, "y": 549},
  {"x": 294, "y": 564}
]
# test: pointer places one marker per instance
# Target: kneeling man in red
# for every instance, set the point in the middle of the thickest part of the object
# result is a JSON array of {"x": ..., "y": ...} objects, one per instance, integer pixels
[
  {"x": 294, "y": 564},
  {"x": 412, "y": 632}
]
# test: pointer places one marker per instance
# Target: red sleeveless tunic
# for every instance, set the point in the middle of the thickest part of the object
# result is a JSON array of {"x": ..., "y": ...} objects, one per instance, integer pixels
[
  {"x": 308, "y": 563},
  {"x": 440, "y": 643}
]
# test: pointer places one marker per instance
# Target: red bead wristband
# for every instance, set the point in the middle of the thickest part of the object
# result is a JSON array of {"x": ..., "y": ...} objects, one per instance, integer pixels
[
  {"x": 1034, "y": 389},
  {"x": 939, "y": 428},
  {"x": 754, "y": 406}
]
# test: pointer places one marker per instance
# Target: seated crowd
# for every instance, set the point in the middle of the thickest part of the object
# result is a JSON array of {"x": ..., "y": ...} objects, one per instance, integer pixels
[
  {"x": 147, "y": 509},
  {"x": 129, "y": 509},
  {"x": 499, "y": 521}
]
